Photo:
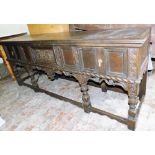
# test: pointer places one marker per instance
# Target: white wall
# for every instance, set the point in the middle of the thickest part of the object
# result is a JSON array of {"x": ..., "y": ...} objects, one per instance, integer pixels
[{"x": 11, "y": 29}]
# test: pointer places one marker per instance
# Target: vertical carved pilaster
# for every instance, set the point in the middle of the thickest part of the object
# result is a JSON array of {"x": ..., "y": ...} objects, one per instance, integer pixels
[
  {"x": 133, "y": 99},
  {"x": 144, "y": 80},
  {"x": 83, "y": 79},
  {"x": 132, "y": 63},
  {"x": 58, "y": 55}
]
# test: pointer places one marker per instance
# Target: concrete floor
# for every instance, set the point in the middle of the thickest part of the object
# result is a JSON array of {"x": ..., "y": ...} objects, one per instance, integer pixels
[{"x": 23, "y": 109}]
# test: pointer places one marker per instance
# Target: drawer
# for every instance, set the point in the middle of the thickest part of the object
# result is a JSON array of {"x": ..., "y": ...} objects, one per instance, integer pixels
[
  {"x": 84, "y": 59},
  {"x": 92, "y": 59},
  {"x": 42, "y": 55}
]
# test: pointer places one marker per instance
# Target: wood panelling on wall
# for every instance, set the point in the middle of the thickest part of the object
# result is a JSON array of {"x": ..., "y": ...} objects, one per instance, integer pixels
[{"x": 47, "y": 28}]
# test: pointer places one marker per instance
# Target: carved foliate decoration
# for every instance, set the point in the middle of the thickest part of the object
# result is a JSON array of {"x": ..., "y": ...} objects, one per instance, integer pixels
[
  {"x": 96, "y": 79},
  {"x": 67, "y": 73},
  {"x": 82, "y": 79},
  {"x": 132, "y": 63},
  {"x": 115, "y": 83},
  {"x": 76, "y": 55},
  {"x": 133, "y": 89},
  {"x": 42, "y": 56},
  {"x": 58, "y": 55}
]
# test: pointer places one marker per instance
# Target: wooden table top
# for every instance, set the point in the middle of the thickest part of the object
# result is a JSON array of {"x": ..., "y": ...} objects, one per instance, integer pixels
[{"x": 120, "y": 35}]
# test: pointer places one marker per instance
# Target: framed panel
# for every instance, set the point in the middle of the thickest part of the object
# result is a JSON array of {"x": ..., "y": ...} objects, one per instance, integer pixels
[
  {"x": 88, "y": 59},
  {"x": 116, "y": 62}
]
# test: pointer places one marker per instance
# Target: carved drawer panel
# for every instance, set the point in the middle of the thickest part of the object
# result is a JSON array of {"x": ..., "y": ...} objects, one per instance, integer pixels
[
  {"x": 42, "y": 56},
  {"x": 116, "y": 62}
]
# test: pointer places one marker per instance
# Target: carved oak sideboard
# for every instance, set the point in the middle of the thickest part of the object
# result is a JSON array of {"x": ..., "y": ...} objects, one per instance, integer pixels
[{"x": 112, "y": 56}]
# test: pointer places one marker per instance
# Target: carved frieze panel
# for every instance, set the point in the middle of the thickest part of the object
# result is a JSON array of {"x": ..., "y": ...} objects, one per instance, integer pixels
[
  {"x": 42, "y": 56},
  {"x": 115, "y": 83}
]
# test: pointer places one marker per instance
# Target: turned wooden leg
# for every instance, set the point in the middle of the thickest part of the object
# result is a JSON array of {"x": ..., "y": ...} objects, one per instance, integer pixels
[
  {"x": 144, "y": 83},
  {"x": 142, "y": 90},
  {"x": 83, "y": 79},
  {"x": 103, "y": 87},
  {"x": 17, "y": 75},
  {"x": 34, "y": 81},
  {"x": 32, "y": 77},
  {"x": 132, "y": 112},
  {"x": 85, "y": 97},
  {"x": 133, "y": 100},
  {"x": 19, "y": 80}
]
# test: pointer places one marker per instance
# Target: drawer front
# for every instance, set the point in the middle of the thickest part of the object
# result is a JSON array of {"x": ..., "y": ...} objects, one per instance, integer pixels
[
  {"x": 85, "y": 59},
  {"x": 42, "y": 55},
  {"x": 92, "y": 59},
  {"x": 116, "y": 61}
]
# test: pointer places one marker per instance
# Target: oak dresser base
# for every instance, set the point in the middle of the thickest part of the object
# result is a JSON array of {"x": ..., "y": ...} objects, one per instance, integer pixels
[{"x": 117, "y": 57}]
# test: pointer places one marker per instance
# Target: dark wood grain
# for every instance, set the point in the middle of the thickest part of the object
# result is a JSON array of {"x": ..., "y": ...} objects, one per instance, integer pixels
[{"x": 114, "y": 57}]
